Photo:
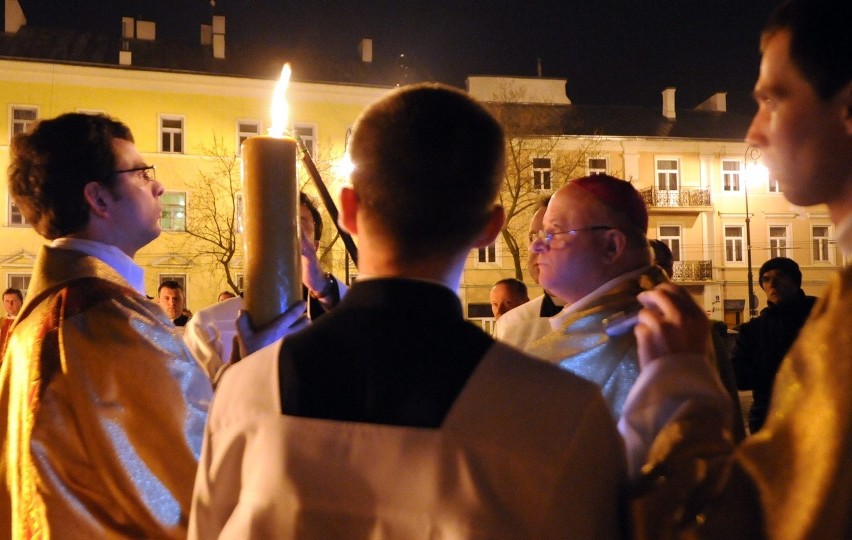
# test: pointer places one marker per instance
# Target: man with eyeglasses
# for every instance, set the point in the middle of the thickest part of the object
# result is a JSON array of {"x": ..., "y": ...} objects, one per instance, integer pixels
[
  {"x": 526, "y": 323},
  {"x": 103, "y": 407},
  {"x": 593, "y": 255}
]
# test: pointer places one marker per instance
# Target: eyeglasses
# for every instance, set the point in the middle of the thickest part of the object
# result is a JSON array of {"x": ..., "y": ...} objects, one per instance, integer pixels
[
  {"x": 148, "y": 173},
  {"x": 547, "y": 237}
]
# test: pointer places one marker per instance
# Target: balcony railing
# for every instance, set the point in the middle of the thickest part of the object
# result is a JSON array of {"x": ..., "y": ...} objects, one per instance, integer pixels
[
  {"x": 673, "y": 199},
  {"x": 693, "y": 271}
]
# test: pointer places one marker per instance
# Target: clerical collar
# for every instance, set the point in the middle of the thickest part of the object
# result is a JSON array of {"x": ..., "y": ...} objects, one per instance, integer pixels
[
  {"x": 556, "y": 320},
  {"x": 110, "y": 255}
]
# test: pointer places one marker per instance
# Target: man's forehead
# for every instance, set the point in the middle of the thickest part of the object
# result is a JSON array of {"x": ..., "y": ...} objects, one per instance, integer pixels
[
  {"x": 564, "y": 205},
  {"x": 126, "y": 155}
]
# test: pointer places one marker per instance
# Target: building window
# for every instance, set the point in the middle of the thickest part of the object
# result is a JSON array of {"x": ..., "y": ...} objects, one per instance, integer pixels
[
  {"x": 238, "y": 213},
  {"x": 821, "y": 242},
  {"x": 23, "y": 118},
  {"x": 308, "y": 134},
  {"x": 19, "y": 281},
  {"x": 670, "y": 236},
  {"x": 246, "y": 129},
  {"x": 241, "y": 282},
  {"x": 487, "y": 254},
  {"x": 16, "y": 218},
  {"x": 597, "y": 166},
  {"x": 667, "y": 174},
  {"x": 171, "y": 134},
  {"x": 731, "y": 171},
  {"x": 174, "y": 211},
  {"x": 774, "y": 186},
  {"x": 734, "y": 243},
  {"x": 541, "y": 173},
  {"x": 779, "y": 241}
]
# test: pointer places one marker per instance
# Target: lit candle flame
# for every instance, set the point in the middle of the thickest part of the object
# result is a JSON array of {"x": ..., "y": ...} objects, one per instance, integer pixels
[{"x": 280, "y": 109}]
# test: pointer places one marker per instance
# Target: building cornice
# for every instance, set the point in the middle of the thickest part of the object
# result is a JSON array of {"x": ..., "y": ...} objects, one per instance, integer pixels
[{"x": 182, "y": 83}]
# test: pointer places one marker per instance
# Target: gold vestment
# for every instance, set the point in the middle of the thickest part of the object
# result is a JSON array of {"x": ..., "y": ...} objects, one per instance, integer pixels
[{"x": 103, "y": 409}]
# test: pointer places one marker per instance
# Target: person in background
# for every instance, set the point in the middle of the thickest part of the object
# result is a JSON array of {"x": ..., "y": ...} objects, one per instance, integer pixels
[
  {"x": 225, "y": 295},
  {"x": 210, "y": 333},
  {"x": 102, "y": 407},
  {"x": 171, "y": 298},
  {"x": 763, "y": 341},
  {"x": 527, "y": 323},
  {"x": 382, "y": 421},
  {"x": 507, "y": 294},
  {"x": 12, "y": 301},
  {"x": 792, "y": 478},
  {"x": 663, "y": 256}
]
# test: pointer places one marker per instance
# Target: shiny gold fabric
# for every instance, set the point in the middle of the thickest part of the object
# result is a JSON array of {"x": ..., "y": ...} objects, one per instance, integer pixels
[
  {"x": 793, "y": 478},
  {"x": 801, "y": 460},
  {"x": 102, "y": 410},
  {"x": 581, "y": 346}
]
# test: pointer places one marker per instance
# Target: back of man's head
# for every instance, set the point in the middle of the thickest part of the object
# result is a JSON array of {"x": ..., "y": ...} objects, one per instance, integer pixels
[
  {"x": 428, "y": 162},
  {"x": 51, "y": 165},
  {"x": 820, "y": 41}
]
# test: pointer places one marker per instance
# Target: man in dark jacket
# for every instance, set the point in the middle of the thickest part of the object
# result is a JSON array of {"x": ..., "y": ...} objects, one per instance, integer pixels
[{"x": 764, "y": 340}]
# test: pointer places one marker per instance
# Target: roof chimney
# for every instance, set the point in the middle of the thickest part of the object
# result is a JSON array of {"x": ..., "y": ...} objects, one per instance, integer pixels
[
  {"x": 718, "y": 102},
  {"x": 15, "y": 17},
  {"x": 206, "y": 34},
  {"x": 128, "y": 32},
  {"x": 365, "y": 49},
  {"x": 669, "y": 103},
  {"x": 218, "y": 36},
  {"x": 146, "y": 30}
]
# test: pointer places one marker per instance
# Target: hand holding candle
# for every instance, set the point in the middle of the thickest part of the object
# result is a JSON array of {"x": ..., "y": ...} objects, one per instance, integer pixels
[{"x": 271, "y": 218}]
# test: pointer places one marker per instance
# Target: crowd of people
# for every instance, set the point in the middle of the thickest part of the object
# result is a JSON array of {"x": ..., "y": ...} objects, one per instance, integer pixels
[{"x": 604, "y": 409}]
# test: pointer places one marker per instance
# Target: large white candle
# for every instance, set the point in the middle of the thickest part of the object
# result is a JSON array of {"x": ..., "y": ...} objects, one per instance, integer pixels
[{"x": 271, "y": 223}]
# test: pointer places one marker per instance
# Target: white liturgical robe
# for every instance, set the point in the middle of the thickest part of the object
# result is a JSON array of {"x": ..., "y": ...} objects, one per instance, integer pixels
[{"x": 526, "y": 451}]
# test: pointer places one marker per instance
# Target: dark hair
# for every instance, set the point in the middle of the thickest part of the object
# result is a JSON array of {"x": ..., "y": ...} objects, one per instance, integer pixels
[
  {"x": 517, "y": 286},
  {"x": 782, "y": 264},
  {"x": 169, "y": 284},
  {"x": 663, "y": 256},
  {"x": 50, "y": 166},
  {"x": 13, "y": 290},
  {"x": 306, "y": 200},
  {"x": 428, "y": 164},
  {"x": 820, "y": 41}
]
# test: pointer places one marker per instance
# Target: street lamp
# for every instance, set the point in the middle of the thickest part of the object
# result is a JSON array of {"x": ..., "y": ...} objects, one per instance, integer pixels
[{"x": 754, "y": 170}]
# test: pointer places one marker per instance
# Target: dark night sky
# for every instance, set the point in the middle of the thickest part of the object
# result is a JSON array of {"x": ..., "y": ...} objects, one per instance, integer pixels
[{"x": 617, "y": 52}]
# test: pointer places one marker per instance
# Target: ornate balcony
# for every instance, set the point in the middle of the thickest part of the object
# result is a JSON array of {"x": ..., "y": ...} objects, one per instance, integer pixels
[
  {"x": 684, "y": 198},
  {"x": 693, "y": 271}
]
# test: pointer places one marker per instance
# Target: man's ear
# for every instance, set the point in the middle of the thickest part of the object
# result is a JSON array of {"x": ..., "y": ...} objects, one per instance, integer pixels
[
  {"x": 96, "y": 197},
  {"x": 615, "y": 242},
  {"x": 845, "y": 99},
  {"x": 496, "y": 219},
  {"x": 348, "y": 210}
]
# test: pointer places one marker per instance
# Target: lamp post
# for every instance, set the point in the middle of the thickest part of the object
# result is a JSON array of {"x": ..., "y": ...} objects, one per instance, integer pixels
[{"x": 752, "y": 155}]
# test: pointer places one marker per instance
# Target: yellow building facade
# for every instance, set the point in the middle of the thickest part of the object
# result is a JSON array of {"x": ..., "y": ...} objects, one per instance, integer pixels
[
  {"x": 182, "y": 123},
  {"x": 185, "y": 122}
]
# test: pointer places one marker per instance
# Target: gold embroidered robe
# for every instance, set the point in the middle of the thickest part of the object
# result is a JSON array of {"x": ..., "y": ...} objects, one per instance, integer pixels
[{"x": 103, "y": 409}]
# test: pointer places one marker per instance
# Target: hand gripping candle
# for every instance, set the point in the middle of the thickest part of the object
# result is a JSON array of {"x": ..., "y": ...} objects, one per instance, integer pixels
[{"x": 271, "y": 217}]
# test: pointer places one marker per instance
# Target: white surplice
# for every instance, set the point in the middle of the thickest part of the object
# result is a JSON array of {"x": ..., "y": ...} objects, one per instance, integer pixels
[{"x": 526, "y": 451}]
